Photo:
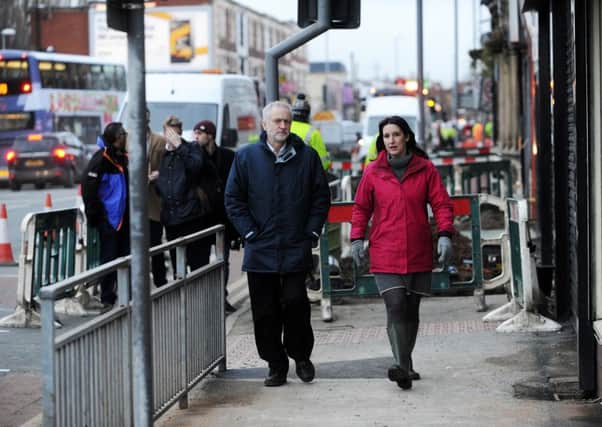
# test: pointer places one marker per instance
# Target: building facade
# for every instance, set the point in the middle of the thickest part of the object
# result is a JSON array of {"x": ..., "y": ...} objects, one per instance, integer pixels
[
  {"x": 549, "y": 71},
  {"x": 192, "y": 35}
]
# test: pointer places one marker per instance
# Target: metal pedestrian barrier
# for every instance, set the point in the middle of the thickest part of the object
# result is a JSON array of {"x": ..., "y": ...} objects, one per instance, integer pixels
[
  {"x": 469, "y": 278},
  {"x": 520, "y": 314},
  {"x": 345, "y": 168},
  {"x": 52, "y": 249},
  {"x": 87, "y": 370},
  {"x": 487, "y": 177}
]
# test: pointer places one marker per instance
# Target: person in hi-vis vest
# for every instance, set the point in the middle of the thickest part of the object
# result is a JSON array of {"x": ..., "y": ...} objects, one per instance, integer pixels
[{"x": 304, "y": 130}]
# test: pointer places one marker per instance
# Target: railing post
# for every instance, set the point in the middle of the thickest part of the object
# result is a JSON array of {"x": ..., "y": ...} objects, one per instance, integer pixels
[
  {"x": 48, "y": 396},
  {"x": 181, "y": 262},
  {"x": 220, "y": 241},
  {"x": 183, "y": 401},
  {"x": 123, "y": 285}
]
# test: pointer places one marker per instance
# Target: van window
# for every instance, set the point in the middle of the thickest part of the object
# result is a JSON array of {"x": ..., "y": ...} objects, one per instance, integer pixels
[
  {"x": 189, "y": 113},
  {"x": 373, "y": 122}
]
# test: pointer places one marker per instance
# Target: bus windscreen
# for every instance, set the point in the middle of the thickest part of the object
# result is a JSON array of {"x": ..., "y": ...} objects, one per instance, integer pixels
[{"x": 16, "y": 121}]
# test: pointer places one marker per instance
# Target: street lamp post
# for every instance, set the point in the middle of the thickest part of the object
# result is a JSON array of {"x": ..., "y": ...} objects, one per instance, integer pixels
[{"x": 7, "y": 32}]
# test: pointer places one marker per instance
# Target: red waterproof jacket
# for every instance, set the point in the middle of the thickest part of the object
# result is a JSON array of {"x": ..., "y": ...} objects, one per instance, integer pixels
[{"x": 400, "y": 234}]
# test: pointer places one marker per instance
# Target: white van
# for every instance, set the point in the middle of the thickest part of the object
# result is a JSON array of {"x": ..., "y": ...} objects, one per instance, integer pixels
[
  {"x": 228, "y": 100},
  {"x": 380, "y": 107}
]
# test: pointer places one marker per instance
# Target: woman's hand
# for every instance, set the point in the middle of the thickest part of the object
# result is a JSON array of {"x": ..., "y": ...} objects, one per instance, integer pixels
[
  {"x": 444, "y": 250},
  {"x": 357, "y": 252}
]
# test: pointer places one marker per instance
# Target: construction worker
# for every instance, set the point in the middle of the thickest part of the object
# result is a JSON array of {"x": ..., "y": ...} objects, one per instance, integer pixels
[
  {"x": 310, "y": 135},
  {"x": 372, "y": 153}
]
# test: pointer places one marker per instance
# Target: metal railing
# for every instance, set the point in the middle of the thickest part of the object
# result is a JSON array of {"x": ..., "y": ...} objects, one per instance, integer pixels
[{"x": 87, "y": 370}]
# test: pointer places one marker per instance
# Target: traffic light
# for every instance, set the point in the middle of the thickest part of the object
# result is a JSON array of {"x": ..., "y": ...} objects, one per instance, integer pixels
[
  {"x": 343, "y": 13},
  {"x": 117, "y": 14}
]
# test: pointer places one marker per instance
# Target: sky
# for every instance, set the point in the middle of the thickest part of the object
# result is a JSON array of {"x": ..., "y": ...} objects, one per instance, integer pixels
[{"x": 385, "y": 45}]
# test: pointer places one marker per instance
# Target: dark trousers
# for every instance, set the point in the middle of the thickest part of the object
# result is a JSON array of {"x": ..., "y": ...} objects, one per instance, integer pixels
[
  {"x": 197, "y": 252},
  {"x": 157, "y": 261},
  {"x": 281, "y": 317},
  {"x": 113, "y": 244}
]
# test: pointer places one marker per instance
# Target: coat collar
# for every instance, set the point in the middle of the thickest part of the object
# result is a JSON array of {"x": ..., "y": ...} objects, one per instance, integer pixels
[
  {"x": 292, "y": 139},
  {"x": 383, "y": 169}
]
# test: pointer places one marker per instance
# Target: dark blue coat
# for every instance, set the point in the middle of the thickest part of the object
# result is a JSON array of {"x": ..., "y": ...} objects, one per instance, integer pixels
[{"x": 279, "y": 207}]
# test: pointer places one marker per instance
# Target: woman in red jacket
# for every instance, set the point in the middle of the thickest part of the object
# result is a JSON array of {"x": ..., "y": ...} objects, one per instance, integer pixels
[{"x": 394, "y": 191}]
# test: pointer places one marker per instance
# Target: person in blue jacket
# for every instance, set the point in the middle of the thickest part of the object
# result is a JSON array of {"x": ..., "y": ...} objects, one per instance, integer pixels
[
  {"x": 277, "y": 197},
  {"x": 105, "y": 194}
]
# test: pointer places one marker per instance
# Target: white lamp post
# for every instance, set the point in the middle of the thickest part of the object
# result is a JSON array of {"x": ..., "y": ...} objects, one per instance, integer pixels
[{"x": 7, "y": 32}]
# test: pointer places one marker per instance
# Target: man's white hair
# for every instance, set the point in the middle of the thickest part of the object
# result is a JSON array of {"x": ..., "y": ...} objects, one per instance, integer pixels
[{"x": 267, "y": 110}]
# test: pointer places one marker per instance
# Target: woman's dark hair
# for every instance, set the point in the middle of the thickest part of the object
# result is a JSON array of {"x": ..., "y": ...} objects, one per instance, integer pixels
[
  {"x": 111, "y": 132},
  {"x": 411, "y": 146}
]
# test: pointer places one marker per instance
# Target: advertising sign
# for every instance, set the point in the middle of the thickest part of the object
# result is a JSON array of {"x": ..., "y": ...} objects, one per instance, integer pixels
[{"x": 176, "y": 39}]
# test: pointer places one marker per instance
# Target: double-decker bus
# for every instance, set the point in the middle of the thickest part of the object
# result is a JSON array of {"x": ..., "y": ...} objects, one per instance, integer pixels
[{"x": 51, "y": 92}]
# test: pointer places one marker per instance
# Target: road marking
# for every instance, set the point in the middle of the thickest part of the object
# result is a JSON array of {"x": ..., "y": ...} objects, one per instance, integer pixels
[{"x": 4, "y": 331}]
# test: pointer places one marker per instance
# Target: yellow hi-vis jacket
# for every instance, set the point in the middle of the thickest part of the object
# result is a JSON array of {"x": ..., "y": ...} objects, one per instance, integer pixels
[
  {"x": 311, "y": 136},
  {"x": 372, "y": 154}
]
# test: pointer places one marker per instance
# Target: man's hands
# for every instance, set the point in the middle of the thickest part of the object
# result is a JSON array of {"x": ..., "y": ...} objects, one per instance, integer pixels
[{"x": 172, "y": 137}]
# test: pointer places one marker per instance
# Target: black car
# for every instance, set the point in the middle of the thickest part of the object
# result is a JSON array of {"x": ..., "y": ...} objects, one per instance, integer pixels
[{"x": 40, "y": 158}]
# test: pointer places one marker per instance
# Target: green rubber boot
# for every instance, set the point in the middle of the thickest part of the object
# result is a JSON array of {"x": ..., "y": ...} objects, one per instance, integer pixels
[
  {"x": 400, "y": 345},
  {"x": 413, "y": 331}
]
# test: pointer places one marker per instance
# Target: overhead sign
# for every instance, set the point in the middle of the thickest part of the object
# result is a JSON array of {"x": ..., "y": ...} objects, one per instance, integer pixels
[{"x": 176, "y": 39}]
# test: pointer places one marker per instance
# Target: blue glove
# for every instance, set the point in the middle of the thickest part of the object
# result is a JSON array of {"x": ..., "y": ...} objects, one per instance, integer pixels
[
  {"x": 444, "y": 250},
  {"x": 357, "y": 252}
]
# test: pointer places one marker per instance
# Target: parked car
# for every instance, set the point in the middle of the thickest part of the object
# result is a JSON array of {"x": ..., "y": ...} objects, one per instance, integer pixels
[{"x": 40, "y": 158}]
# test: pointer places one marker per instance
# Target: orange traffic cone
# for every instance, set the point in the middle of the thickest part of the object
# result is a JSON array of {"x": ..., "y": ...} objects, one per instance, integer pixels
[
  {"x": 6, "y": 251},
  {"x": 48, "y": 202}
]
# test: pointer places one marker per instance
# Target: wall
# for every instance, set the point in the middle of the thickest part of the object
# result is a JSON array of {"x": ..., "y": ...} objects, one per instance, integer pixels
[{"x": 66, "y": 30}]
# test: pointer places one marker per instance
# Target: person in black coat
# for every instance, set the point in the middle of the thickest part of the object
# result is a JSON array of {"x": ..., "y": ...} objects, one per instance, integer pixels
[
  {"x": 213, "y": 181},
  {"x": 177, "y": 185},
  {"x": 277, "y": 197}
]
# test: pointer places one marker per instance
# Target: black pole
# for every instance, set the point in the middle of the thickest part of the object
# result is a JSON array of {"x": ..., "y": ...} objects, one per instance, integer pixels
[
  {"x": 586, "y": 341},
  {"x": 544, "y": 147},
  {"x": 560, "y": 22}
]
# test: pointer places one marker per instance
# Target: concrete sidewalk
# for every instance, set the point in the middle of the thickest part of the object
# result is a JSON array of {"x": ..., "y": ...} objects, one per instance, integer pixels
[{"x": 469, "y": 374}]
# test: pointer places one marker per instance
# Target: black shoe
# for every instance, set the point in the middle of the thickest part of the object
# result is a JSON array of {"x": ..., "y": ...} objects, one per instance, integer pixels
[
  {"x": 275, "y": 378},
  {"x": 400, "y": 376},
  {"x": 229, "y": 307},
  {"x": 414, "y": 376},
  {"x": 305, "y": 370}
]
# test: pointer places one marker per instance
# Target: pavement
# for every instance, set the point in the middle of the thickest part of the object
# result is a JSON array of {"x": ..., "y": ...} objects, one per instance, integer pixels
[{"x": 471, "y": 375}]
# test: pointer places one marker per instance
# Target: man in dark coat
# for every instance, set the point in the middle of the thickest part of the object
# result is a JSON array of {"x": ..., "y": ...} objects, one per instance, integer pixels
[
  {"x": 277, "y": 197},
  {"x": 177, "y": 186},
  {"x": 212, "y": 183}
]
